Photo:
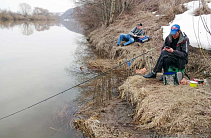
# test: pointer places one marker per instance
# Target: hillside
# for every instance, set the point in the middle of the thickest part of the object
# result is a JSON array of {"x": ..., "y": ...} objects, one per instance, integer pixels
[
  {"x": 67, "y": 14},
  {"x": 154, "y": 108}
]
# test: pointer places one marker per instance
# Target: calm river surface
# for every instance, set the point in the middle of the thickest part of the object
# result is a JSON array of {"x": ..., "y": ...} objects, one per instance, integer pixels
[{"x": 35, "y": 65}]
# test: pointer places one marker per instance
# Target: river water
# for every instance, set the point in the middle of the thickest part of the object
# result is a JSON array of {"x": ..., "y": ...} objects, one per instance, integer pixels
[{"x": 37, "y": 62}]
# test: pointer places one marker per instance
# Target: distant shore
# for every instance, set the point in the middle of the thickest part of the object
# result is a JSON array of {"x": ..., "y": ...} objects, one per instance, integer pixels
[{"x": 8, "y": 16}]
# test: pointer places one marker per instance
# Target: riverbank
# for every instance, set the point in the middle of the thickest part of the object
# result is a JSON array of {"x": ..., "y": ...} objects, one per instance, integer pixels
[
  {"x": 11, "y": 16},
  {"x": 154, "y": 107},
  {"x": 173, "y": 110}
]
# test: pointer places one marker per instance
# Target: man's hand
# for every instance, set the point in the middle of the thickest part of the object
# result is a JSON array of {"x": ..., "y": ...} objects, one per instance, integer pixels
[
  {"x": 169, "y": 50},
  {"x": 135, "y": 35}
]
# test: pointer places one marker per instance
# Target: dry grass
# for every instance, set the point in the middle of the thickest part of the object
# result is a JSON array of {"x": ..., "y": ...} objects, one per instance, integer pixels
[
  {"x": 178, "y": 110},
  {"x": 173, "y": 109},
  {"x": 105, "y": 41},
  {"x": 90, "y": 127},
  {"x": 198, "y": 64},
  {"x": 170, "y": 9},
  {"x": 204, "y": 9},
  {"x": 93, "y": 128},
  {"x": 102, "y": 64},
  {"x": 112, "y": 120},
  {"x": 167, "y": 8}
]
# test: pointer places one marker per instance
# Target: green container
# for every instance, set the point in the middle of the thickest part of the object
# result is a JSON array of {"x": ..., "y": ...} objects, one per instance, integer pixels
[{"x": 174, "y": 69}]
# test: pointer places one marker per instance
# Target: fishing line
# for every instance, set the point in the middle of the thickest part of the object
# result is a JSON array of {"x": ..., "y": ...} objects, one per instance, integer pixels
[{"x": 71, "y": 88}]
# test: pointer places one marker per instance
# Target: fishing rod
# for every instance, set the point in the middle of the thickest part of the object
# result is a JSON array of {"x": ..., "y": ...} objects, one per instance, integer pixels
[{"x": 74, "y": 86}]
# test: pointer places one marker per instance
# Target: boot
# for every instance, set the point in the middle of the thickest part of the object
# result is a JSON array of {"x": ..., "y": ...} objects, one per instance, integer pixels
[
  {"x": 150, "y": 75},
  {"x": 161, "y": 78}
]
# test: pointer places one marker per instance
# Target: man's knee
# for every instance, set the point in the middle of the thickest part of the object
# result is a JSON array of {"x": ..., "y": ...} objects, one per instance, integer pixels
[
  {"x": 164, "y": 52},
  {"x": 124, "y": 36},
  {"x": 121, "y": 35},
  {"x": 166, "y": 60},
  {"x": 132, "y": 40}
]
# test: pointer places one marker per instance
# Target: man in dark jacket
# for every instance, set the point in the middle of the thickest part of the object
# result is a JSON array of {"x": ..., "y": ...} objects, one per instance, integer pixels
[
  {"x": 135, "y": 33},
  {"x": 174, "y": 52}
]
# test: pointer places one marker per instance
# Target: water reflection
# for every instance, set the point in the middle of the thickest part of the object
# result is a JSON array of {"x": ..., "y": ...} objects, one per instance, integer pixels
[
  {"x": 101, "y": 89},
  {"x": 44, "y": 63},
  {"x": 62, "y": 118},
  {"x": 72, "y": 25},
  {"x": 32, "y": 70},
  {"x": 42, "y": 27},
  {"x": 28, "y": 27},
  {"x": 93, "y": 94},
  {"x": 97, "y": 91}
]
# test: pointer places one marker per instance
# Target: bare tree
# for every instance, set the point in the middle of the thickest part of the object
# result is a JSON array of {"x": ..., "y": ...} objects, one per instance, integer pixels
[
  {"x": 93, "y": 13},
  {"x": 112, "y": 11},
  {"x": 40, "y": 11},
  {"x": 25, "y": 9}
]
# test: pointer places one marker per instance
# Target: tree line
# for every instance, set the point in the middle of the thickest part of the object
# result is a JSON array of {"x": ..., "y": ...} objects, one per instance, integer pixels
[
  {"x": 25, "y": 12},
  {"x": 95, "y": 13}
]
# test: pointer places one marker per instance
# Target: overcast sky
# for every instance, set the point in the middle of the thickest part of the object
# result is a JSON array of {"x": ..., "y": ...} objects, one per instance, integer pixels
[{"x": 51, "y": 5}]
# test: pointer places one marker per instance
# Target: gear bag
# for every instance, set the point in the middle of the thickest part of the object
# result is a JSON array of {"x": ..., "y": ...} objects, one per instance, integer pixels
[{"x": 144, "y": 39}]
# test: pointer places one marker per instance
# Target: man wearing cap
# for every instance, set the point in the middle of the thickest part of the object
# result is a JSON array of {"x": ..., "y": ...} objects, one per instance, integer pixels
[
  {"x": 174, "y": 52},
  {"x": 134, "y": 34}
]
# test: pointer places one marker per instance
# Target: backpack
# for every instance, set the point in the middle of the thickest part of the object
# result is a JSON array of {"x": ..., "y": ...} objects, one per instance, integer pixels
[{"x": 144, "y": 39}]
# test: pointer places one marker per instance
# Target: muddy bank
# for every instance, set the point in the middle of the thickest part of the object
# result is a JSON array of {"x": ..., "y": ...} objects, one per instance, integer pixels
[
  {"x": 173, "y": 110},
  {"x": 115, "y": 119}
]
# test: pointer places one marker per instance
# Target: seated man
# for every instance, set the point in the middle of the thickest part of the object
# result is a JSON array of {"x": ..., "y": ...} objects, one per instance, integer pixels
[
  {"x": 174, "y": 52},
  {"x": 135, "y": 33}
]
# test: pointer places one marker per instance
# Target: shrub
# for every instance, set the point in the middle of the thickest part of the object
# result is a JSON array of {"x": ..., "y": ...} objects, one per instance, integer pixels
[
  {"x": 167, "y": 8},
  {"x": 203, "y": 9},
  {"x": 5, "y": 15}
]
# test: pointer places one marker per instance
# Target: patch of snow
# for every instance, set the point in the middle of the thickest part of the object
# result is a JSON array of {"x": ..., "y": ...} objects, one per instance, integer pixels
[
  {"x": 193, "y": 26},
  {"x": 154, "y": 12}
]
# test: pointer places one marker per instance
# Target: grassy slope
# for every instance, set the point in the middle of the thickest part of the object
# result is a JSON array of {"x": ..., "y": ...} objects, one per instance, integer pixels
[
  {"x": 172, "y": 109},
  {"x": 104, "y": 40}
]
